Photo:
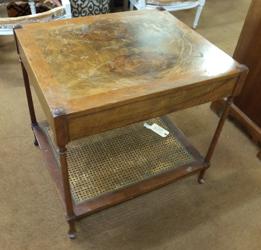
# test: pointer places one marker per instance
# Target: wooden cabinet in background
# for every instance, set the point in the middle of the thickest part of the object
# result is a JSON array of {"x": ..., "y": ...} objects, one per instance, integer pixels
[{"x": 247, "y": 106}]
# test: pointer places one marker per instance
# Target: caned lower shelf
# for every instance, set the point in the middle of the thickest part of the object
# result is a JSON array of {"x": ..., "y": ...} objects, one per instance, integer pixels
[{"x": 117, "y": 165}]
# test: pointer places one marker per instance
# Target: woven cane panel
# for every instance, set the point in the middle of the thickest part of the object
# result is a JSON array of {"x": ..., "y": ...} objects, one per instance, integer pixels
[{"x": 110, "y": 161}]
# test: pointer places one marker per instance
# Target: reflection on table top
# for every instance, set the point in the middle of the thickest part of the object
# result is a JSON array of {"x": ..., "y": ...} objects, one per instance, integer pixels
[{"x": 121, "y": 56}]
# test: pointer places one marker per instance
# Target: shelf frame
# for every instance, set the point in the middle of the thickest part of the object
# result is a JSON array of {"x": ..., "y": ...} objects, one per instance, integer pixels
[{"x": 128, "y": 192}]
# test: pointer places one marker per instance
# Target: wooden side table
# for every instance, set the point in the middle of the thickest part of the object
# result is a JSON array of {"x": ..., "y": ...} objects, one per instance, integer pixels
[{"x": 97, "y": 78}]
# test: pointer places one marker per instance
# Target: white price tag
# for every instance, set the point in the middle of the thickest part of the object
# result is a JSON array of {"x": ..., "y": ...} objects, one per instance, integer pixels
[{"x": 157, "y": 129}]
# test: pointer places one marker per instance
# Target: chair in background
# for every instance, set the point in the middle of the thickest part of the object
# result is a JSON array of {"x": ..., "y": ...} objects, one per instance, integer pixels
[
  {"x": 171, "y": 5},
  {"x": 7, "y": 23}
]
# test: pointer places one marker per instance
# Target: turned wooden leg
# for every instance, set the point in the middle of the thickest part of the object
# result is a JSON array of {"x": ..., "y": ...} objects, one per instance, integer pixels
[
  {"x": 28, "y": 93},
  {"x": 29, "y": 101},
  {"x": 215, "y": 139},
  {"x": 67, "y": 193},
  {"x": 72, "y": 230}
]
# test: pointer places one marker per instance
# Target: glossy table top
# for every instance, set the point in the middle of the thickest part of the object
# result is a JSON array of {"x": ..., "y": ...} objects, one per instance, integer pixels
[{"x": 87, "y": 63}]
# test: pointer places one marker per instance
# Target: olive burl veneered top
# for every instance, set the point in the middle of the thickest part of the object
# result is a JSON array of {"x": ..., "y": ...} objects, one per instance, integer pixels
[{"x": 86, "y": 63}]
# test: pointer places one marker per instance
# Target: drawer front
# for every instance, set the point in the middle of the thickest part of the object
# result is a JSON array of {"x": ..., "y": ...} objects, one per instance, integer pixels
[{"x": 140, "y": 110}]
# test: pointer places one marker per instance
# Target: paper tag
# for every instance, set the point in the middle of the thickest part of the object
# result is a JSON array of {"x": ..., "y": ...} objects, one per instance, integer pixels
[{"x": 157, "y": 129}]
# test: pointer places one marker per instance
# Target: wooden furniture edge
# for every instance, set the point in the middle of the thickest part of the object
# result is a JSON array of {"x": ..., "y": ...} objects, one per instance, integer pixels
[
  {"x": 54, "y": 116},
  {"x": 128, "y": 192},
  {"x": 138, "y": 93},
  {"x": 249, "y": 127},
  {"x": 133, "y": 191},
  {"x": 152, "y": 106}
]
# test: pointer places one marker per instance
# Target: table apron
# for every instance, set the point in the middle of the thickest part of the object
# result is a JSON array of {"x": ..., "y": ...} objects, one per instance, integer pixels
[{"x": 140, "y": 110}]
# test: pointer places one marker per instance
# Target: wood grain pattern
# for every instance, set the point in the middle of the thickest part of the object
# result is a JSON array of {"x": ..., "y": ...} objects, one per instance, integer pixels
[
  {"x": 142, "y": 109},
  {"x": 122, "y": 67},
  {"x": 92, "y": 57}
]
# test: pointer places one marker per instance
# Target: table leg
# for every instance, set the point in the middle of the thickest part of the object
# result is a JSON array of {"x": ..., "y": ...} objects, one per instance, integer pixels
[
  {"x": 70, "y": 216},
  {"x": 29, "y": 101},
  {"x": 215, "y": 138},
  {"x": 62, "y": 155},
  {"x": 27, "y": 89}
]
